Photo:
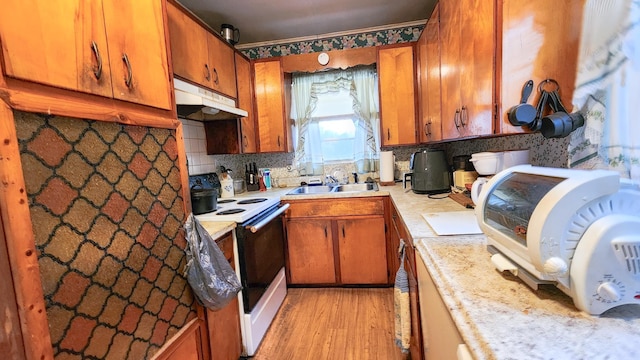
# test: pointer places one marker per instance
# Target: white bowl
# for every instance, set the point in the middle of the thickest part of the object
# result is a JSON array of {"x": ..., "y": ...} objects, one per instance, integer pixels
[{"x": 487, "y": 163}]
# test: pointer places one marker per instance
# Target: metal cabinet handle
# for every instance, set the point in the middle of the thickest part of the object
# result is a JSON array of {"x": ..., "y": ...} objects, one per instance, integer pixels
[
  {"x": 456, "y": 118},
  {"x": 97, "y": 72},
  {"x": 388, "y": 134},
  {"x": 463, "y": 116},
  {"x": 216, "y": 80},
  {"x": 278, "y": 140},
  {"x": 343, "y": 233},
  {"x": 208, "y": 75},
  {"x": 244, "y": 141},
  {"x": 326, "y": 234},
  {"x": 129, "y": 79}
]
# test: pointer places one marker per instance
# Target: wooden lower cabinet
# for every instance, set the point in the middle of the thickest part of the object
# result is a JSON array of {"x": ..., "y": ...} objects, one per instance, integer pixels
[
  {"x": 225, "y": 339},
  {"x": 310, "y": 250},
  {"x": 363, "y": 251},
  {"x": 400, "y": 233},
  {"x": 337, "y": 242}
]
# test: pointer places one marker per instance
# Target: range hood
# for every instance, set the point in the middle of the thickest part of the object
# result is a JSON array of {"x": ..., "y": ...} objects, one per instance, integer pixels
[{"x": 194, "y": 102}]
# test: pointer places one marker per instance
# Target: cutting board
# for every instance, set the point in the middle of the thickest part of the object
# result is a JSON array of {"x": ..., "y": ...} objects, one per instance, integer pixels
[{"x": 453, "y": 222}]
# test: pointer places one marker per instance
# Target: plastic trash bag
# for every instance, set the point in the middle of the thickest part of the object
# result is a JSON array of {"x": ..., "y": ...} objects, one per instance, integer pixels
[{"x": 208, "y": 272}]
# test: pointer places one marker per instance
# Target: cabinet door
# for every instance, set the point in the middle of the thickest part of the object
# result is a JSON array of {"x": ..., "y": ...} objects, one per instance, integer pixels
[
  {"x": 51, "y": 43},
  {"x": 449, "y": 64},
  {"x": 223, "y": 69},
  {"x": 363, "y": 251},
  {"x": 416, "y": 347},
  {"x": 245, "y": 102},
  {"x": 477, "y": 55},
  {"x": 310, "y": 252},
  {"x": 189, "y": 55},
  {"x": 270, "y": 109},
  {"x": 432, "y": 120},
  {"x": 137, "y": 52},
  {"x": 396, "y": 70}
]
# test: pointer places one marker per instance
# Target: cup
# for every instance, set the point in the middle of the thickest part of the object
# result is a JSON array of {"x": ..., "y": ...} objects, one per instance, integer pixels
[{"x": 238, "y": 186}]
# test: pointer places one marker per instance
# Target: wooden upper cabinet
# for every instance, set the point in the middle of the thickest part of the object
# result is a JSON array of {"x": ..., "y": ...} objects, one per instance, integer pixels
[
  {"x": 270, "y": 105},
  {"x": 80, "y": 45},
  {"x": 222, "y": 66},
  {"x": 200, "y": 56},
  {"x": 539, "y": 40},
  {"x": 467, "y": 67},
  {"x": 245, "y": 102},
  {"x": 396, "y": 75},
  {"x": 53, "y": 43},
  {"x": 433, "y": 119},
  {"x": 428, "y": 51},
  {"x": 189, "y": 54},
  {"x": 137, "y": 52}
]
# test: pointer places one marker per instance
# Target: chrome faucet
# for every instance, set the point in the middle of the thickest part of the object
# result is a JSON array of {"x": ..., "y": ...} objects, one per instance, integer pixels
[{"x": 329, "y": 179}]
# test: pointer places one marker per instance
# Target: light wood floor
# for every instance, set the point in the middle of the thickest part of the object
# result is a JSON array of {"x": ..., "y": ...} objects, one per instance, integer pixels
[{"x": 332, "y": 323}]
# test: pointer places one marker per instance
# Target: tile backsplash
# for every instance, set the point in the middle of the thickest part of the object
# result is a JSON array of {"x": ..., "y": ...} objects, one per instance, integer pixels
[
  {"x": 543, "y": 152},
  {"x": 196, "y": 148}
]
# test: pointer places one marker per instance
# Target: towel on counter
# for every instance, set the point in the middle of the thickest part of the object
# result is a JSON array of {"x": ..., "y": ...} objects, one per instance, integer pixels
[{"x": 401, "y": 305}]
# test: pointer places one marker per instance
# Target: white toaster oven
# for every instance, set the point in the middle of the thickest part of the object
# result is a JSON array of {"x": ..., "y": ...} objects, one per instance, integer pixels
[{"x": 577, "y": 229}]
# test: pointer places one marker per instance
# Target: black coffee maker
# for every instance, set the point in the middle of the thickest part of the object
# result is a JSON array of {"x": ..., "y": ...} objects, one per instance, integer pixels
[{"x": 429, "y": 172}]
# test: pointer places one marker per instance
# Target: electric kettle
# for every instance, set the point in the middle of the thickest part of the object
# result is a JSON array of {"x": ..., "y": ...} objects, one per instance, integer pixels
[{"x": 230, "y": 33}]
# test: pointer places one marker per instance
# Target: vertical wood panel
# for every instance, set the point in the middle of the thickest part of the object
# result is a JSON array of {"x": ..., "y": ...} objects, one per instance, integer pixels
[
  {"x": 363, "y": 251},
  {"x": 270, "y": 102},
  {"x": 20, "y": 243},
  {"x": 11, "y": 344},
  {"x": 434, "y": 115}
]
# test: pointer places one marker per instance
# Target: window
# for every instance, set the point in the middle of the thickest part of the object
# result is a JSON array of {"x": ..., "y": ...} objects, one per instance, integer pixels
[{"x": 337, "y": 119}]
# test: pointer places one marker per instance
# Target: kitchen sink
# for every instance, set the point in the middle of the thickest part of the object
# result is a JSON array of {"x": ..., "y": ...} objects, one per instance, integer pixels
[
  {"x": 333, "y": 189},
  {"x": 311, "y": 190},
  {"x": 356, "y": 187}
]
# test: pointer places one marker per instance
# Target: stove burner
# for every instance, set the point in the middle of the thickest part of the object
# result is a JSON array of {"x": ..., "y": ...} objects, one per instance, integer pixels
[
  {"x": 230, "y": 211},
  {"x": 224, "y": 201},
  {"x": 251, "y": 201}
]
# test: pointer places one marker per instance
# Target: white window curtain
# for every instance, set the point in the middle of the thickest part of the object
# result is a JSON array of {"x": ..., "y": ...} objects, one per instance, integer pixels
[
  {"x": 362, "y": 85},
  {"x": 607, "y": 88}
]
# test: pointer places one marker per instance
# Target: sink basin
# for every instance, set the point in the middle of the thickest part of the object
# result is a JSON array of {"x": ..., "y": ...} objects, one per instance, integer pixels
[
  {"x": 333, "y": 189},
  {"x": 310, "y": 190},
  {"x": 356, "y": 187}
]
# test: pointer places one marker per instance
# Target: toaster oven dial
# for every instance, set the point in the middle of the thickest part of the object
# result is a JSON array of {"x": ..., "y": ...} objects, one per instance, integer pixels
[
  {"x": 609, "y": 292},
  {"x": 555, "y": 266}
]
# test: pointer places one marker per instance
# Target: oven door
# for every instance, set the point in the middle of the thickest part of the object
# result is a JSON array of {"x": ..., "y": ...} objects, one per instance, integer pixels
[{"x": 261, "y": 253}]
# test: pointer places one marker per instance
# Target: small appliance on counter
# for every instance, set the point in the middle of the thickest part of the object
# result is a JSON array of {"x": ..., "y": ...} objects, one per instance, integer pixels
[
  {"x": 491, "y": 162},
  {"x": 464, "y": 173},
  {"x": 430, "y": 172},
  {"x": 576, "y": 229}
]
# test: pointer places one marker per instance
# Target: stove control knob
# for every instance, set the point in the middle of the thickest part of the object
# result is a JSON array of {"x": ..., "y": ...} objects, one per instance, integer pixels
[
  {"x": 555, "y": 266},
  {"x": 609, "y": 291}
]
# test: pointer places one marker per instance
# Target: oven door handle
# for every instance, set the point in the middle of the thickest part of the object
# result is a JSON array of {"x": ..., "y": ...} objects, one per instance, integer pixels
[{"x": 255, "y": 228}]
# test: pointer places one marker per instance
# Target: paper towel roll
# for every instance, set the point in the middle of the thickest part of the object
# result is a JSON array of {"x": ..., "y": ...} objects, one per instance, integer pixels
[{"x": 387, "y": 161}]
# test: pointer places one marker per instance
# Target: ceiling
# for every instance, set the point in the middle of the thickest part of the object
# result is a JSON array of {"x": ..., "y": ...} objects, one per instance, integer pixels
[{"x": 272, "y": 20}]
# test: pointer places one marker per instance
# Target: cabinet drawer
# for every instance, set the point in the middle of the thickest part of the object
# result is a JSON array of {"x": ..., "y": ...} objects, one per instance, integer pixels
[{"x": 336, "y": 207}]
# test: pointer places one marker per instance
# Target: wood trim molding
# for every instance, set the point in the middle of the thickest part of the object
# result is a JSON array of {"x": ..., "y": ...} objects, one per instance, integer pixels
[
  {"x": 338, "y": 59},
  {"x": 30, "y": 97},
  {"x": 20, "y": 239},
  {"x": 169, "y": 347}
]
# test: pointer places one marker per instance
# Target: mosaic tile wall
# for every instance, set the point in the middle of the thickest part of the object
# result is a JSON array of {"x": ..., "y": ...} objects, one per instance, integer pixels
[
  {"x": 373, "y": 38},
  {"x": 107, "y": 214}
]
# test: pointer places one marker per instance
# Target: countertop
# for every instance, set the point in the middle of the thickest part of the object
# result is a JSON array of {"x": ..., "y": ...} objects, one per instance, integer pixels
[
  {"x": 497, "y": 315},
  {"x": 500, "y": 317}
]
